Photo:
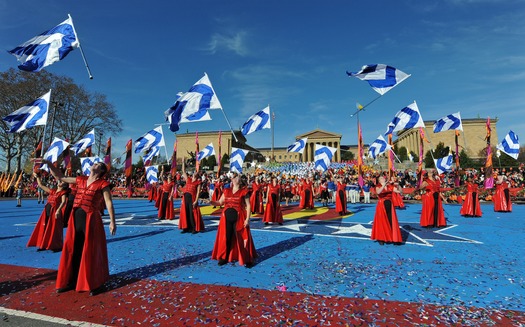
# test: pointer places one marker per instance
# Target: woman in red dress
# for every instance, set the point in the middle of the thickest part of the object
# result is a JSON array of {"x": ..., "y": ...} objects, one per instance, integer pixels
[
  {"x": 471, "y": 207},
  {"x": 273, "y": 213},
  {"x": 256, "y": 199},
  {"x": 340, "y": 196},
  {"x": 217, "y": 189},
  {"x": 432, "y": 213},
  {"x": 190, "y": 220},
  {"x": 234, "y": 241},
  {"x": 48, "y": 232},
  {"x": 501, "y": 197},
  {"x": 396, "y": 196},
  {"x": 166, "y": 200},
  {"x": 307, "y": 194},
  {"x": 385, "y": 227},
  {"x": 84, "y": 262}
]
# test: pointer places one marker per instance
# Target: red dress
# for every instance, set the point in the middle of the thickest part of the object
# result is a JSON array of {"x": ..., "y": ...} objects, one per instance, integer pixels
[
  {"x": 93, "y": 271},
  {"x": 241, "y": 244},
  {"x": 501, "y": 198},
  {"x": 340, "y": 199},
  {"x": 48, "y": 232},
  {"x": 398, "y": 200},
  {"x": 152, "y": 193},
  {"x": 165, "y": 204},
  {"x": 386, "y": 229},
  {"x": 432, "y": 213},
  {"x": 217, "y": 191},
  {"x": 307, "y": 195},
  {"x": 471, "y": 207},
  {"x": 256, "y": 199},
  {"x": 273, "y": 213},
  {"x": 187, "y": 211}
]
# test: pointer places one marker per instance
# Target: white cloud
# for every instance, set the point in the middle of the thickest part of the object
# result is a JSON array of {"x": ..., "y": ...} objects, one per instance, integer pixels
[{"x": 235, "y": 43}]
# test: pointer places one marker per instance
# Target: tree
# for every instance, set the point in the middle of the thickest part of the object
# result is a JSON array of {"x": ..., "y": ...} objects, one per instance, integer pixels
[
  {"x": 347, "y": 155},
  {"x": 439, "y": 152},
  {"x": 73, "y": 112},
  {"x": 415, "y": 157},
  {"x": 402, "y": 153}
]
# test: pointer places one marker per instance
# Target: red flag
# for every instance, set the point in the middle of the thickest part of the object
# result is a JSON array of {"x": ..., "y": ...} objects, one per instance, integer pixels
[
  {"x": 360, "y": 152},
  {"x": 197, "y": 151},
  {"x": 67, "y": 162},
  {"x": 173, "y": 169},
  {"x": 219, "y": 158},
  {"x": 38, "y": 150},
  {"x": 128, "y": 168},
  {"x": 107, "y": 157},
  {"x": 422, "y": 139},
  {"x": 390, "y": 157},
  {"x": 489, "y": 179}
]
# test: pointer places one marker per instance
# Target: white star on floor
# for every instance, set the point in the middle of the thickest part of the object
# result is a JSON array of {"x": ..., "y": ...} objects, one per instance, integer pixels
[{"x": 355, "y": 229}]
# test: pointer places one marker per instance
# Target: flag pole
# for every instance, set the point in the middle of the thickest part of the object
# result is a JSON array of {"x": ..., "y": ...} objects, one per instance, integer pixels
[
  {"x": 165, "y": 150},
  {"x": 366, "y": 105},
  {"x": 231, "y": 129},
  {"x": 80, "y": 48}
]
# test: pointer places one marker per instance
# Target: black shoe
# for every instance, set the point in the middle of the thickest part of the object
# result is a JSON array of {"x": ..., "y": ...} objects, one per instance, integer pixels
[
  {"x": 65, "y": 289},
  {"x": 39, "y": 249},
  {"x": 194, "y": 232},
  {"x": 266, "y": 223},
  {"x": 248, "y": 265},
  {"x": 281, "y": 224},
  {"x": 97, "y": 291},
  {"x": 184, "y": 231},
  {"x": 222, "y": 262},
  {"x": 18, "y": 205},
  {"x": 381, "y": 243}
]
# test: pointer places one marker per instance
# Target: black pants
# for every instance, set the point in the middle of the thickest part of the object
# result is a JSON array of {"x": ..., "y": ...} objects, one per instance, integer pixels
[
  {"x": 474, "y": 197},
  {"x": 436, "y": 208},
  {"x": 388, "y": 209},
  {"x": 190, "y": 218},
  {"x": 307, "y": 198},
  {"x": 231, "y": 223},
  {"x": 80, "y": 236},
  {"x": 164, "y": 205},
  {"x": 507, "y": 195},
  {"x": 69, "y": 208}
]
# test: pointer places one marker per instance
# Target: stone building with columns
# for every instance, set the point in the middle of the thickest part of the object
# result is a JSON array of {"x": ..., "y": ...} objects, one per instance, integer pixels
[{"x": 471, "y": 139}]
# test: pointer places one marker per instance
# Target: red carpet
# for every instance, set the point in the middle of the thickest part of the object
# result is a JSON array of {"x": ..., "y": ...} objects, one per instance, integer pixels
[{"x": 152, "y": 303}]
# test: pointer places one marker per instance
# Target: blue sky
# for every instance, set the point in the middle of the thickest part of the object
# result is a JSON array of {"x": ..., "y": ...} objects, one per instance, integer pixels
[{"x": 463, "y": 55}]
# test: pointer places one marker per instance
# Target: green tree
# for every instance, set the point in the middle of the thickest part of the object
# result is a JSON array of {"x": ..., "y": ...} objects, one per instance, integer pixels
[
  {"x": 73, "y": 112},
  {"x": 402, "y": 153},
  {"x": 347, "y": 155},
  {"x": 439, "y": 152}
]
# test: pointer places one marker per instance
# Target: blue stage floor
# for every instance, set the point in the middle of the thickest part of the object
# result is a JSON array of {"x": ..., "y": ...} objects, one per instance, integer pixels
[{"x": 472, "y": 262}]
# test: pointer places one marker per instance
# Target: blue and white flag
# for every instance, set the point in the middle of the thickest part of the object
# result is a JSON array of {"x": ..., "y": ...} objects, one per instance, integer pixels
[
  {"x": 30, "y": 115},
  {"x": 510, "y": 145},
  {"x": 382, "y": 78},
  {"x": 54, "y": 151},
  {"x": 380, "y": 145},
  {"x": 298, "y": 146},
  {"x": 84, "y": 143},
  {"x": 237, "y": 159},
  {"x": 152, "y": 152},
  {"x": 449, "y": 122},
  {"x": 257, "y": 122},
  {"x": 323, "y": 157},
  {"x": 209, "y": 150},
  {"x": 444, "y": 164},
  {"x": 193, "y": 105},
  {"x": 408, "y": 117},
  {"x": 87, "y": 162},
  {"x": 155, "y": 137},
  {"x": 47, "y": 48},
  {"x": 152, "y": 173}
]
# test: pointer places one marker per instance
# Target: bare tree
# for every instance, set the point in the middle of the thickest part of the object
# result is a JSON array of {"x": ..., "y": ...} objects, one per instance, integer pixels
[{"x": 73, "y": 112}]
